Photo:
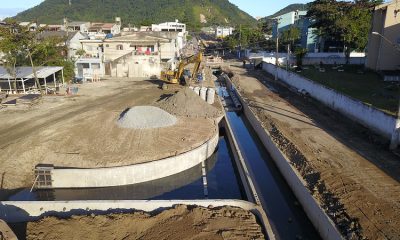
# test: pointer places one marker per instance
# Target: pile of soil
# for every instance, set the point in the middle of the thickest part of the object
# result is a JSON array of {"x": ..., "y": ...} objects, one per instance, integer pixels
[
  {"x": 181, "y": 222},
  {"x": 187, "y": 103},
  {"x": 146, "y": 117}
]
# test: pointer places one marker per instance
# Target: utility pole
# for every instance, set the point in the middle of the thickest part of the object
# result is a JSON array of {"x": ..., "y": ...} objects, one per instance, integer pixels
[
  {"x": 277, "y": 49},
  {"x": 240, "y": 39},
  {"x": 288, "y": 57}
]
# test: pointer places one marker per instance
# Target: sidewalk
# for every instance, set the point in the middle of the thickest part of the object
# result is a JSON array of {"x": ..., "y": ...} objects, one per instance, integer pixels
[{"x": 355, "y": 179}]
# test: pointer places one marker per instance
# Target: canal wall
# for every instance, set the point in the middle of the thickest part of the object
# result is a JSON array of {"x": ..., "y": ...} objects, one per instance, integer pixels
[
  {"x": 16, "y": 212},
  {"x": 373, "y": 118},
  {"x": 249, "y": 185},
  {"x": 138, "y": 173},
  {"x": 321, "y": 221}
]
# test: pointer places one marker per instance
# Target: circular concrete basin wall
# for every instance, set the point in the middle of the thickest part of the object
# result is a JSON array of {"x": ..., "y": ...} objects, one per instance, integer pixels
[{"x": 138, "y": 173}]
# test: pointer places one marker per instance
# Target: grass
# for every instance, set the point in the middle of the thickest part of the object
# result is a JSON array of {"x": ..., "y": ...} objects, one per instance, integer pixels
[{"x": 367, "y": 86}]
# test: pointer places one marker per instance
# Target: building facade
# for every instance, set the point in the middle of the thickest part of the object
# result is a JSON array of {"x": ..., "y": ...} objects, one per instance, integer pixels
[
  {"x": 169, "y": 27},
  {"x": 222, "y": 32},
  {"x": 140, "y": 54},
  {"x": 383, "y": 52},
  {"x": 298, "y": 19}
]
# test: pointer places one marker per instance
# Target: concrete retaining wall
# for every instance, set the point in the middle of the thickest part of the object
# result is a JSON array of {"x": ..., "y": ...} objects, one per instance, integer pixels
[
  {"x": 376, "y": 120},
  {"x": 245, "y": 174},
  {"x": 14, "y": 212},
  {"x": 321, "y": 221},
  {"x": 126, "y": 175}
]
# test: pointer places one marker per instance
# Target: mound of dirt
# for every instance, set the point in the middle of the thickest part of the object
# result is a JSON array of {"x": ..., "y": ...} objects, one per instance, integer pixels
[
  {"x": 181, "y": 222},
  {"x": 146, "y": 117},
  {"x": 186, "y": 103}
]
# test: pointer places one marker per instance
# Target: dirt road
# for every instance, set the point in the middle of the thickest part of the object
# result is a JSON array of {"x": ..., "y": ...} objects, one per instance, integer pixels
[{"x": 349, "y": 171}]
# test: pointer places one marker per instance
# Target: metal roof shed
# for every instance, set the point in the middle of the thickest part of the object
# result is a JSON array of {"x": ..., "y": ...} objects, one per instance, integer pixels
[{"x": 25, "y": 74}]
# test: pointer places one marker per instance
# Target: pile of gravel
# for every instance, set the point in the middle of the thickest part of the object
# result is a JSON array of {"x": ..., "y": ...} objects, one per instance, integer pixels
[
  {"x": 146, "y": 117},
  {"x": 186, "y": 103}
]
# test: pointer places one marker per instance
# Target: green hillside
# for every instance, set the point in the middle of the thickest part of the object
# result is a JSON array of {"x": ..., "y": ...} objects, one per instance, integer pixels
[{"x": 136, "y": 12}]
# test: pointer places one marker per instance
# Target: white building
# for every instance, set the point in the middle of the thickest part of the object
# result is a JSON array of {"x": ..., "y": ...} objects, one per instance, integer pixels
[
  {"x": 169, "y": 27},
  {"x": 221, "y": 32},
  {"x": 30, "y": 25},
  {"x": 91, "y": 64},
  {"x": 77, "y": 26}
]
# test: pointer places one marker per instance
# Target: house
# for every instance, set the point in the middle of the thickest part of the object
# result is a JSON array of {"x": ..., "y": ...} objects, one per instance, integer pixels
[
  {"x": 106, "y": 28},
  {"x": 208, "y": 30},
  {"x": 71, "y": 40},
  {"x": 54, "y": 28},
  {"x": 77, "y": 26},
  {"x": 140, "y": 54},
  {"x": 383, "y": 51},
  {"x": 169, "y": 27},
  {"x": 144, "y": 29},
  {"x": 91, "y": 64},
  {"x": 222, "y": 32},
  {"x": 92, "y": 47},
  {"x": 30, "y": 25}
]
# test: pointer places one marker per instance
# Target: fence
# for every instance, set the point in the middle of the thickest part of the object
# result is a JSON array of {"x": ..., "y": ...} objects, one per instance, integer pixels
[
  {"x": 376, "y": 120},
  {"x": 310, "y": 58}
]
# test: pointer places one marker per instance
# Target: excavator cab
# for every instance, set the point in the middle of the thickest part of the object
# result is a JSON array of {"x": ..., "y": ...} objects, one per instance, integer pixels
[{"x": 169, "y": 76}]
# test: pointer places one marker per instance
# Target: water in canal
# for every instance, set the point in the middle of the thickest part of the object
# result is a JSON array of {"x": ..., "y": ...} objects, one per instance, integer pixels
[
  {"x": 223, "y": 183},
  {"x": 287, "y": 217}
]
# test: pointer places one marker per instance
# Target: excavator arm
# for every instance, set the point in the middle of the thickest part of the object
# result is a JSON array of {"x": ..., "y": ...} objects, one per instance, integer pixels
[
  {"x": 171, "y": 77},
  {"x": 196, "y": 59}
]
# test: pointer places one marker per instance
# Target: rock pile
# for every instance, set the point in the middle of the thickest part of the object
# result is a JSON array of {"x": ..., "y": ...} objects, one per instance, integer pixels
[{"x": 146, "y": 117}]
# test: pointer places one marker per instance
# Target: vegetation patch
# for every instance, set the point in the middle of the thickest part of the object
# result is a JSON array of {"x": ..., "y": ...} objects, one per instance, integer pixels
[{"x": 354, "y": 81}]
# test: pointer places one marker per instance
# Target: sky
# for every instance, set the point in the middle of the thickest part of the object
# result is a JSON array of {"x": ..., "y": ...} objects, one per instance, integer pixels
[
  {"x": 262, "y": 8},
  {"x": 256, "y": 8}
]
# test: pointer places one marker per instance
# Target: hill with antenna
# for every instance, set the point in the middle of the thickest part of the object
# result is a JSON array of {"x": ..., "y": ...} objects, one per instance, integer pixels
[{"x": 139, "y": 12}]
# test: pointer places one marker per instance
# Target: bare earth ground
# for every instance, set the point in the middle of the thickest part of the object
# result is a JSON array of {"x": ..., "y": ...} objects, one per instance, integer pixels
[
  {"x": 81, "y": 131},
  {"x": 181, "y": 222},
  {"x": 351, "y": 174}
]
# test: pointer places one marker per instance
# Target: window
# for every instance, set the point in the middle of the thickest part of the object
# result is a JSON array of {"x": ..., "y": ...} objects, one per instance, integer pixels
[
  {"x": 85, "y": 65},
  {"x": 120, "y": 47}
]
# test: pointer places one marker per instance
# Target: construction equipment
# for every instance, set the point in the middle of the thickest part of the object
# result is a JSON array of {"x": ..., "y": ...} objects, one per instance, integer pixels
[{"x": 180, "y": 75}]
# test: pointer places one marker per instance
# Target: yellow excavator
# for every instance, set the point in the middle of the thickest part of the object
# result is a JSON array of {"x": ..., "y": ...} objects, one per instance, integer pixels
[{"x": 176, "y": 76}]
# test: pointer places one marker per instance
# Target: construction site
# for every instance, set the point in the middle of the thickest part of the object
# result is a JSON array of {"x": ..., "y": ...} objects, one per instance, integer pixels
[{"x": 213, "y": 150}]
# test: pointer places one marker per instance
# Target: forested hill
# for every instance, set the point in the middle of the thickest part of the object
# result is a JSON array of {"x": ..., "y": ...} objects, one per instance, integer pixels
[{"x": 196, "y": 13}]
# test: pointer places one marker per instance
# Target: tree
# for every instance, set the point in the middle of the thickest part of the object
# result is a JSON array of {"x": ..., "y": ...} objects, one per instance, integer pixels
[
  {"x": 300, "y": 54},
  {"x": 343, "y": 21},
  {"x": 246, "y": 37},
  {"x": 10, "y": 45},
  {"x": 24, "y": 47},
  {"x": 290, "y": 35},
  {"x": 265, "y": 26},
  {"x": 80, "y": 52}
]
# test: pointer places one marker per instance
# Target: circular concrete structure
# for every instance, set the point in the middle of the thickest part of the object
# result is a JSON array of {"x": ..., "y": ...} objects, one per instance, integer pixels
[{"x": 132, "y": 174}]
